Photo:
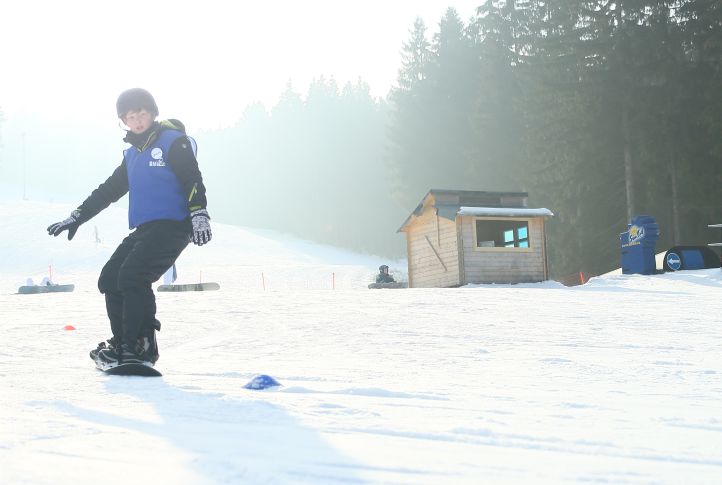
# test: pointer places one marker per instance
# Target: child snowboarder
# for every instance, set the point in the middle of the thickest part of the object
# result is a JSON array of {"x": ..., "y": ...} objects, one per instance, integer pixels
[
  {"x": 384, "y": 276},
  {"x": 167, "y": 209}
]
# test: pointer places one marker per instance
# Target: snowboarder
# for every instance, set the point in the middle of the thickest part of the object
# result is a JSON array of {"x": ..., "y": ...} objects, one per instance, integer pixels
[
  {"x": 167, "y": 209},
  {"x": 384, "y": 276}
]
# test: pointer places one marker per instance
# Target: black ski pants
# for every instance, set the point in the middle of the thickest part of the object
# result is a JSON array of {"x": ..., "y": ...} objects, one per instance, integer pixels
[{"x": 126, "y": 278}]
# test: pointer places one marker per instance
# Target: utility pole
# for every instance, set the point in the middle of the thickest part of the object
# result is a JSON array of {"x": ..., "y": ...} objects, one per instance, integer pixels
[{"x": 22, "y": 138}]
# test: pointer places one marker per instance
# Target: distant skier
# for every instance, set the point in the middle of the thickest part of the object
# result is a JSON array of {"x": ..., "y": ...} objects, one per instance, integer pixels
[
  {"x": 167, "y": 209},
  {"x": 384, "y": 276}
]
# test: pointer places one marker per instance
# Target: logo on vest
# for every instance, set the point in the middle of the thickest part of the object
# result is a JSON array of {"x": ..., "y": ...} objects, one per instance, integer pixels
[{"x": 157, "y": 155}]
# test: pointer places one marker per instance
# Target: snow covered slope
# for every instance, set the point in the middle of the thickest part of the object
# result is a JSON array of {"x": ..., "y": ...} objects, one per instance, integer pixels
[
  {"x": 239, "y": 258},
  {"x": 616, "y": 381}
]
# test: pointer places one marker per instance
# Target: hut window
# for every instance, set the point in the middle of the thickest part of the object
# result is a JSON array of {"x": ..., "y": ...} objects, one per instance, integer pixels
[{"x": 502, "y": 233}]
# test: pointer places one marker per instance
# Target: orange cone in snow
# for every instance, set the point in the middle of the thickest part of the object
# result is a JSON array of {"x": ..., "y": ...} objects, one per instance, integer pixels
[{"x": 68, "y": 327}]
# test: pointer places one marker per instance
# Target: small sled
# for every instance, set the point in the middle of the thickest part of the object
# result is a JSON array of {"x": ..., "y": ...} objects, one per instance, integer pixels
[
  {"x": 131, "y": 369},
  {"x": 394, "y": 285},
  {"x": 190, "y": 287},
  {"x": 34, "y": 289}
]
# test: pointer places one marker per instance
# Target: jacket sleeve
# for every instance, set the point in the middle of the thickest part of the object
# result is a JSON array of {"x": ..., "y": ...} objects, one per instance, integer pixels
[
  {"x": 115, "y": 187},
  {"x": 185, "y": 166}
]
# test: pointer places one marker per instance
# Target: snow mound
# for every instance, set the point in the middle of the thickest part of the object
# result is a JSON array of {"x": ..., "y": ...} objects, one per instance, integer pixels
[{"x": 679, "y": 281}]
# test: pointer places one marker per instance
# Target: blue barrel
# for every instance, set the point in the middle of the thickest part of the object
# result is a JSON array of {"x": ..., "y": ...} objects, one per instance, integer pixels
[{"x": 638, "y": 246}]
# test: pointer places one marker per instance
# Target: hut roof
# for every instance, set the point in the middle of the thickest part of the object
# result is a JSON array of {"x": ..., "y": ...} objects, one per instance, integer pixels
[
  {"x": 449, "y": 202},
  {"x": 504, "y": 212}
]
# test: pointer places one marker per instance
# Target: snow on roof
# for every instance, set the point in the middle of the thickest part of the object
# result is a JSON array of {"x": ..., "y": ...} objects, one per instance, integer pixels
[{"x": 504, "y": 211}]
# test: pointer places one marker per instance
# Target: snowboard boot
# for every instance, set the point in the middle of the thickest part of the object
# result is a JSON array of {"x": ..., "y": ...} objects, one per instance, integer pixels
[
  {"x": 149, "y": 345},
  {"x": 106, "y": 344},
  {"x": 152, "y": 344},
  {"x": 140, "y": 353}
]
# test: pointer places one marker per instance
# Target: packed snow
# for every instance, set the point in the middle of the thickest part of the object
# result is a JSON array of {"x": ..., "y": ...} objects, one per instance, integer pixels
[{"x": 616, "y": 381}]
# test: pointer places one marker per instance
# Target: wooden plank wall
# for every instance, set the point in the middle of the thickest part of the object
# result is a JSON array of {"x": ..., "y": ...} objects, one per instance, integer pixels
[
  {"x": 428, "y": 237},
  {"x": 503, "y": 266}
]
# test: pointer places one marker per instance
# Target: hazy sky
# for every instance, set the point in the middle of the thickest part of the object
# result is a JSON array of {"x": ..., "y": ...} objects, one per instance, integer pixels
[{"x": 204, "y": 60}]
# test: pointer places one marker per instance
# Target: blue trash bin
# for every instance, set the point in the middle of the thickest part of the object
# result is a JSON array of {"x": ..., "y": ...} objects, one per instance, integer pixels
[{"x": 638, "y": 246}]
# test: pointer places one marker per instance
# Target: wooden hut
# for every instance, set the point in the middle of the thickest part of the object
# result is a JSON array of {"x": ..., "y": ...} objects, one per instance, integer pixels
[{"x": 457, "y": 237}]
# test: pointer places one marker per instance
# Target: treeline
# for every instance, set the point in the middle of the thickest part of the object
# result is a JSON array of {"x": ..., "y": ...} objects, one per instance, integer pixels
[
  {"x": 313, "y": 166},
  {"x": 600, "y": 110}
]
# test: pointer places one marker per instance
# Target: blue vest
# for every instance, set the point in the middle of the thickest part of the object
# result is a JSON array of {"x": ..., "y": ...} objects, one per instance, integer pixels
[{"x": 153, "y": 188}]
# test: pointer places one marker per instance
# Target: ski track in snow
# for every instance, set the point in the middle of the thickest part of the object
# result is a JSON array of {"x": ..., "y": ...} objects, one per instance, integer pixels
[{"x": 617, "y": 381}]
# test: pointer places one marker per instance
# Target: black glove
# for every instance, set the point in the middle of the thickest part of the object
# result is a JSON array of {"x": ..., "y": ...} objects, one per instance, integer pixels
[
  {"x": 71, "y": 224},
  {"x": 201, "y": 227}
]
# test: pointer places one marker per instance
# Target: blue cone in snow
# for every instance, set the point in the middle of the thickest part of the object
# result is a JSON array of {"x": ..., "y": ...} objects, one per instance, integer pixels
[{"x": 262, "y": 382}]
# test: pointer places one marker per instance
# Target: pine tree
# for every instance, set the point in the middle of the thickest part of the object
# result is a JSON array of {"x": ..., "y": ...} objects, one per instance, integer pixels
[
  {"x": 408, "y": 128},
  {"x": 430, "y": 133},
  {"x": 493, "y": 159},
  {"x": 567, "y": 165},
  {"x": 452, "y": 87},
  {"x": 701, "y": 168}
]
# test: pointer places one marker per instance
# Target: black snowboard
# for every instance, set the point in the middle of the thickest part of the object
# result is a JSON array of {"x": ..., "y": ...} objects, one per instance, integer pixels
[{"x": 130, "y": 369}]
